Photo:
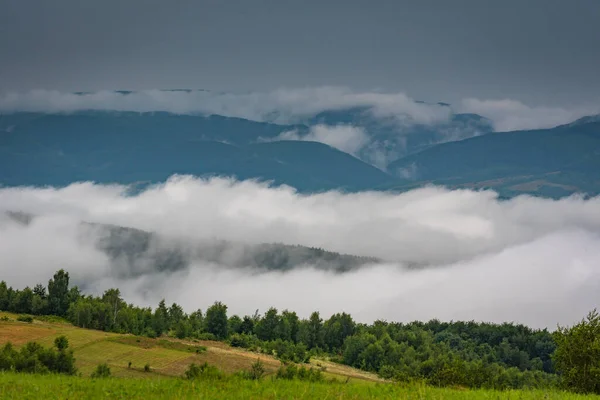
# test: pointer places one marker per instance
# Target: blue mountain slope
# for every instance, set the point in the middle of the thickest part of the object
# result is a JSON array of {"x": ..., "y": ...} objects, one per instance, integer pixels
[
  {"x": 57, "y": 149},
  {"x": 325, "y": 164},
  {"x": 129, "y": 147},
  {"x": 108, "y": 128},
  {"x": 552, "y": 162}
]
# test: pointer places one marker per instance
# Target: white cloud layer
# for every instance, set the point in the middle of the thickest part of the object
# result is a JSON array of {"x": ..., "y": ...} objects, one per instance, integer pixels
[
  {"x": 529, "y": 260},
  {"x": 511, "y": 115}
]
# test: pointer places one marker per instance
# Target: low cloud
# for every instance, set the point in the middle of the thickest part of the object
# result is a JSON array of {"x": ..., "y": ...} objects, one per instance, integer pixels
[
  {"x": 510, "y": 115},
  {"x": 527, "y": 259},
  {"x": 409, "y": 172},
  {"x": 293, "y": 105},
  {"x": 279, "y": 106},
  {"x": 346, "y": 138}
]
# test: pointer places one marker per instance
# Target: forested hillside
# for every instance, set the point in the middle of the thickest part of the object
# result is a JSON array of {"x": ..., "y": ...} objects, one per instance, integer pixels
[
  {"x": 473, "y": 354},
  {"x": 546, "y": 162},
  {"x": 134, "y": 252}
]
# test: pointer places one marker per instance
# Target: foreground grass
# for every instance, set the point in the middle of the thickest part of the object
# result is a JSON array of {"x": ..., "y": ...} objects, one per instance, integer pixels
[{"x": 24, "y": 386}]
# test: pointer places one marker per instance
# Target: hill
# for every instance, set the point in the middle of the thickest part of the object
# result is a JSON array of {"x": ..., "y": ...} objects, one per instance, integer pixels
[
  {"x": 167, "y": 357},
  {"x": 548, "y": 162}
]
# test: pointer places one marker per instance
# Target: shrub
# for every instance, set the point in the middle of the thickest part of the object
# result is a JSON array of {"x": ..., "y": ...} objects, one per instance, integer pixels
[
  {"x": 149, "y": 332},
  {"x": 35, "y": 358},
  {"x": 61, "y": 342},
  {"x": 147, "y": 368},
  {"x": 204, "y": 371},
  {"x": 291, "y": 371},
  {"x": 387, "y": 372},
  {"x": 206, "y": 336},
  {"x": 25, "y": 318},
  {"x": 101, "y": 371},
  {"x": 4, "y": 318},
  {"x": 257, "y": 370},
  {"x": 242, "y": 340},
  {"x": 310, "y": 374}
]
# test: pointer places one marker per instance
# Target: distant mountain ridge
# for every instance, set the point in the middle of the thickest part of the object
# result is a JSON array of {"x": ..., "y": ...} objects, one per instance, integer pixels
[{"x": 147, "y": 147}]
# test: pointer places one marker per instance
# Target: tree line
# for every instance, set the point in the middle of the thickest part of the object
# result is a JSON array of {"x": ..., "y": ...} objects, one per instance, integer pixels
[{"x": 472, "y": 354}]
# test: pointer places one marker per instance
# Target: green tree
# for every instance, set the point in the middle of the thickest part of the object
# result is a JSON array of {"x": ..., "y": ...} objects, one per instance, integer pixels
[
  {"x": 354, "y": 346},
  {"x": 160, "y": 320},
  {"x": 81, "y": 313},
  {"x": 4, "y": 297},
  {"x": 39, "y": 306},
  {"x": 24, "y": 301},
  {"x": 267, "y": 327},
  {"x": 216, "y": 320},
  {"x": 112, "y": 297},
  {"x": 314, "y": 331},
  {"x": 183, "y": 329},
  {"x": 234, "y": 324},
  {"x": 247, "y": 325},
  {"x": 58, "y": 290},
  {"x": 290, "y": 324},
  {"x": 40, "y": 290},
  {"x": 337, "y": 329},
  {"x": 196, "y": 321},
  {"x": 577, "y": 355},
  {"x": 176, "y": 313}
]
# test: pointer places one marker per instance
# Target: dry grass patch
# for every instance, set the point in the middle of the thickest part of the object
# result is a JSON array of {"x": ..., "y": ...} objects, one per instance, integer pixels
[
  {"x": 19, "y": 333},
  {"x": 340, "y": 370}
]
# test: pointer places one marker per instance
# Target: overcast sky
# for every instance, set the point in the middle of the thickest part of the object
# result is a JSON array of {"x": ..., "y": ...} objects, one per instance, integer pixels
[{"x": 536, "y": 51}]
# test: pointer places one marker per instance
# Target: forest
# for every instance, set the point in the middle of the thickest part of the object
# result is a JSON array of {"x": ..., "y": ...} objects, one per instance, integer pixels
[{"x": 469, "y": 354}]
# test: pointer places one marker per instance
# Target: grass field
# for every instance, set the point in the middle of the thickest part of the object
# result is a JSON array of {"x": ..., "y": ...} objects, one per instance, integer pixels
[
  {"x": 22, "y": 386},
  {"x": 169, "y": 358}
]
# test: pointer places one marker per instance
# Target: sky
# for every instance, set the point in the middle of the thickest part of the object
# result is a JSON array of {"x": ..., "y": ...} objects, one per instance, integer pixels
[
  {"x": 539, "y": 52},
  {"x": 528, "y": 259}
]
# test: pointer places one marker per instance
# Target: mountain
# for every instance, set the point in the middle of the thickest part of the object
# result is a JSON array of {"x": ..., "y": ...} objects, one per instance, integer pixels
[
  {"x": 132, "y": 147},
  {"x": 548, "y": 162},
  {"x": 117, "y": 147}
]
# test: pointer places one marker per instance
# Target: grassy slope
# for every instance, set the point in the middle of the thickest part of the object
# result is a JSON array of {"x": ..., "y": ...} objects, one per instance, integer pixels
[{"x": 167, "y": 357}]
